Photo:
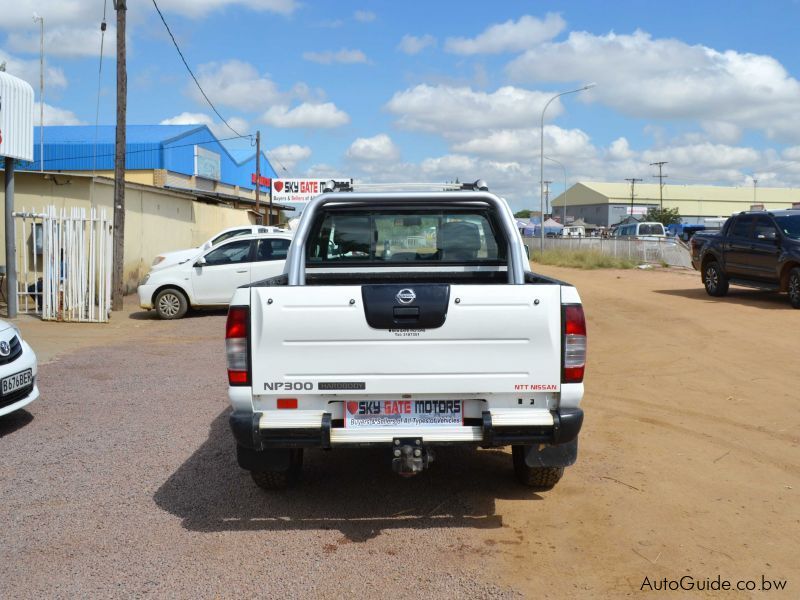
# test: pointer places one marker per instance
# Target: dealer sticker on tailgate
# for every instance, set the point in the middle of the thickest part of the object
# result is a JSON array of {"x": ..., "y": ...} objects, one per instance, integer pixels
[{"x": 403, "y": 413}]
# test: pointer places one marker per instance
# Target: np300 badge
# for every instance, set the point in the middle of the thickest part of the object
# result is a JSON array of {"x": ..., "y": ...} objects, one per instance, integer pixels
[{"x": 405, "y": 296}]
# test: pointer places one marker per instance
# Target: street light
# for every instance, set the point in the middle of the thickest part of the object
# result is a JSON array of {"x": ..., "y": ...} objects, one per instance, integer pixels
[
  {"x": 541, "y": 152},
  {"x": 565, "y": 186},
  {"x": 39, "y": 19}
]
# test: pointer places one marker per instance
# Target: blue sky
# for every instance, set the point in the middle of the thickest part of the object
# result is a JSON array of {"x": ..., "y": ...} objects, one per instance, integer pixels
[{"x": 431, "y": 91}]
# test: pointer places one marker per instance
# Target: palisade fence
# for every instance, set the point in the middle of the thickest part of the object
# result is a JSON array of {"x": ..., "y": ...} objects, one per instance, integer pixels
[
  {"x": 670, "y": 251},
  {"x": 64, "y": 264}
]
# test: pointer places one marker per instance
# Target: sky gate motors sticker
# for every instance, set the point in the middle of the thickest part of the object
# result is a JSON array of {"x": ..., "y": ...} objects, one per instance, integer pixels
[{"x": 402, "y": 413}]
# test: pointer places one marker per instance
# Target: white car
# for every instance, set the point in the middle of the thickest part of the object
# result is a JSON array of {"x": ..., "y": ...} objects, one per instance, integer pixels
[
  {"x": 210, "y": 279},
  {"x": 167, "y": 259},
  {"x": 17, "y": 370}
]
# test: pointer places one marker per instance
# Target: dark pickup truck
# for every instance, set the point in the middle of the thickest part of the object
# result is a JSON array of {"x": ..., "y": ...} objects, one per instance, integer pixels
[{"x": 753, "y": 249}]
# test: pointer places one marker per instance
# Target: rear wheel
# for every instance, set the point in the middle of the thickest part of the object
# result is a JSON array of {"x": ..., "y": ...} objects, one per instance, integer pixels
[
  {"x": 714, "y": 279},
  {"x": 279, "y": 479},
  {"x": 171, "y": 304},
  {"x": 539, "y": 478},
  {"x": 794, "y": 287}
]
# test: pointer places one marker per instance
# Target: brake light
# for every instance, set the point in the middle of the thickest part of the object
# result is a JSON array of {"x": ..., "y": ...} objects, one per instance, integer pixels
[
  {"x": 574, "y": 343},
  {"x": 236, "y": 345}
]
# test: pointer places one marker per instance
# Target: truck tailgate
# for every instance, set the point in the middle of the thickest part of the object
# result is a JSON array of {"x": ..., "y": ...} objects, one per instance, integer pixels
[{"x": 495, "y": 339}]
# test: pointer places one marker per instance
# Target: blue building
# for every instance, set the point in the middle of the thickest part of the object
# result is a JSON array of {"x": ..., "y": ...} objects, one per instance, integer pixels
[{"x": 189, "y": 158}]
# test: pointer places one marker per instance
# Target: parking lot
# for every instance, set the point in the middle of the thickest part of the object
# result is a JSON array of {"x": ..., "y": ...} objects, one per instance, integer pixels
[{"x": 121, "y": 479}]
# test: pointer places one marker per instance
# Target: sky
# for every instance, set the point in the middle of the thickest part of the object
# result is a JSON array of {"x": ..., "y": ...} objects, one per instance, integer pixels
[{"x": 435, "y": 91}]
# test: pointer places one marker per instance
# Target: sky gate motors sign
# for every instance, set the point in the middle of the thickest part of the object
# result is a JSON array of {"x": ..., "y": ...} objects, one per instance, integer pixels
[{"x": 298, "y": 190}]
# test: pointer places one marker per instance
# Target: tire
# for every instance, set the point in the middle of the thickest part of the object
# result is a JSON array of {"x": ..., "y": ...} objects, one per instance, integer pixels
[
  {"x": 280, "y": 479},
  {"x": 714, "y": 279},
  {"x": 171, "y": 303},
  {"x": 539, "y": 478},
  {"x": 794, "y": 287}
]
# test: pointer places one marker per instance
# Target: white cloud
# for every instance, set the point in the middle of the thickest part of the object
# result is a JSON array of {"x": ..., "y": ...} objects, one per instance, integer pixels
[
  {"x": 343, "y": 56},
  {"x": 510, "y": 36},
  {"x": 55, "y": 12},
  {"x": 620, "y": 149},
  {"x": 29, "y": 71},
  {"x": 289, "y": 155},
  {"x": 411, "y": 44},
  {"x": 64, "y": 41},
  {"x": 456, "y": 111},
  {"x": 236, "y": 84},
  {"x": 523, "y": 144},
  {"x": 379, "y": 148},
  {"x": 668, "y": 79},
  {"x": 364, "y": 16},
  {"x": 55, "y": 116},
  {"x": 220, "y": 130},
  {"x": 325, "y": 115},
  {"x": 201, "y": 8}
]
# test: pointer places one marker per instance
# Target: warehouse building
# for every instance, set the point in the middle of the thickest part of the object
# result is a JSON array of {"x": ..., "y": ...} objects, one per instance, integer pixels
[
  {"x": 607, "y": 204},
  {"x": 184, "y": 158}
]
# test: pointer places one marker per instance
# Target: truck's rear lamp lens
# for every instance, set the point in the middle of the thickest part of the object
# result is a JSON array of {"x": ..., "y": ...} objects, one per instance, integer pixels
[
  {"x": 574, "y": 344},
  {"x": 287, "y": 402},
  {"x": 236, "y": 345}
]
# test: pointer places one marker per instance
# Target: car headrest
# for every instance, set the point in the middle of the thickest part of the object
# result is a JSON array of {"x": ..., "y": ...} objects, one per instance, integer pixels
[
  {"x": 352, "y": 233},
  {"x": 459, "y": 236}
]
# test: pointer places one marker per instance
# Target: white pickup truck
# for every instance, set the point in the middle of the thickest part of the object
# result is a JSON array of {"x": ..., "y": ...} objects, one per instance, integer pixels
[{"x": 407, "y": 321}]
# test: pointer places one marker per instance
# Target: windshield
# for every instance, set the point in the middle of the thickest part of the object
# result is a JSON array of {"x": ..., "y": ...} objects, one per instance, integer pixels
[
  {"x": 398, "y": 237},
  {"x": 790, "y": 225}
]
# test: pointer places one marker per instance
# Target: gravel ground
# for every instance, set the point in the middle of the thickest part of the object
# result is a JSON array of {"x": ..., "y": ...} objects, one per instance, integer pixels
[{"x": 122, "y": 481}]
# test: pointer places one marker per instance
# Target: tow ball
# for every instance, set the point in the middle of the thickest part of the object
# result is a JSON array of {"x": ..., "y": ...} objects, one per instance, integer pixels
[{"x": 409, "y": 456}]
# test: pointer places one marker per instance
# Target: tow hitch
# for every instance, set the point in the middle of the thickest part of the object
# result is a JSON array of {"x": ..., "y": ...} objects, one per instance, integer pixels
[{"x": 410, "y": 456}]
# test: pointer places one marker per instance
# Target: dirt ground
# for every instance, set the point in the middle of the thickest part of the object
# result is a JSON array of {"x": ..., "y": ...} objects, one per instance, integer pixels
[{"x": 120, "y": 481}]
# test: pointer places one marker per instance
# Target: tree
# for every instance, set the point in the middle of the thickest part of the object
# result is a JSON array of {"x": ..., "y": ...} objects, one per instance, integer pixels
[
  {"x": 667, "y": 216},
  {"x": 523, "y": 214}
]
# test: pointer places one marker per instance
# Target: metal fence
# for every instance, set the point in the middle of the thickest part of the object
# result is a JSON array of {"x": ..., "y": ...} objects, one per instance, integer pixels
[
  {"x": 671, "y": 251},
  {"x": 64, "y": 264}
]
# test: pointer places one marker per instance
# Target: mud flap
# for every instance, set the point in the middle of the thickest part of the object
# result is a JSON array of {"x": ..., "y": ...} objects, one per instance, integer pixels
[
  {"x": 543, "y": 455},
  {"x": 272, "y": 459}
]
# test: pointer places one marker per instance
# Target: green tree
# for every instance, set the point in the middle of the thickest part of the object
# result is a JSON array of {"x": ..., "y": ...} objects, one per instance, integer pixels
[
  {"x": 668, "y": 216},
  {"x": 523, "y": 214}
]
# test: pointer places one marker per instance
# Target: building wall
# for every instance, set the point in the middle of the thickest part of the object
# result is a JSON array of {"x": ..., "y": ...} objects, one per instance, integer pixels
[{"x": 156, "y": 220}]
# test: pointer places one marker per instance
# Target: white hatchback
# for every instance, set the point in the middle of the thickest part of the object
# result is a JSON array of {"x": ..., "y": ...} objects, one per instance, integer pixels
[
  {"x": 18, "y": 368},
  {"x": 209, "y": 280}
]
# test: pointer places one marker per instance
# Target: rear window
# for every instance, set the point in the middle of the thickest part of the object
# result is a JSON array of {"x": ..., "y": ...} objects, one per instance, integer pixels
[
  {"x": 651, "y": 229},
  {"x": 397, "y": 238}
]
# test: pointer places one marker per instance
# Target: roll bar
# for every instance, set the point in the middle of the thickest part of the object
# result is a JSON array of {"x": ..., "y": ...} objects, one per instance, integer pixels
[{"x": 297, "y": 251}]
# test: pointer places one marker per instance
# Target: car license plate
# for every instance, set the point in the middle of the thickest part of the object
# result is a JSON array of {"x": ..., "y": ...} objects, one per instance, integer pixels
[
  {"x": 14, "y": 382},
  {"x": 403, "y": 413}
]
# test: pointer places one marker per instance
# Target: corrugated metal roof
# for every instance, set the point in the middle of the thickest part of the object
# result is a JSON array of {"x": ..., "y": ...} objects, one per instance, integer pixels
[{"x": 106, "y": 134}]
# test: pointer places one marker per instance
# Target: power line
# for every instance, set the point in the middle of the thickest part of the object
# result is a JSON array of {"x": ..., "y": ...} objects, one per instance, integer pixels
[{"x": 188, "y": 68}]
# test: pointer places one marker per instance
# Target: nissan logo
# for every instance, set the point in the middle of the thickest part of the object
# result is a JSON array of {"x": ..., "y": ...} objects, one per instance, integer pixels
[
  {"x": 405, "y": 296},
  {"x": 5, "y": 349}
]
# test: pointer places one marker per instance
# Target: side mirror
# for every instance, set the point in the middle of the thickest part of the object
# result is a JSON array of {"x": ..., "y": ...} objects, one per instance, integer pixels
[{"x": 200, "y": 261}]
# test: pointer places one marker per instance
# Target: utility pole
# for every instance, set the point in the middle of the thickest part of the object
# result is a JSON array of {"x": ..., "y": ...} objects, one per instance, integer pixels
[
  {"x": 546, "y": 198},
  {"x": 39, "y": 19},
  {"x": 755, "y": 184},
  {"x": 258, "y": 182},
  {"x": 633, "y": 181},
  {"x": 118, "y": 283},
  {"x": 660, "y": 181}
]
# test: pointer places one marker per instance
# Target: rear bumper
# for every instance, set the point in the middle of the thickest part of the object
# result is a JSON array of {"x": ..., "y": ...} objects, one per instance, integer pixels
[{"x": 279, "y": 429}]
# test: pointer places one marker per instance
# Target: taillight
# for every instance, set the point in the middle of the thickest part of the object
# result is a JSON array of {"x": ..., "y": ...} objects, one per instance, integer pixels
[
  {"x": 574, "y": 343},
  {"x": 236, "y": 345}
]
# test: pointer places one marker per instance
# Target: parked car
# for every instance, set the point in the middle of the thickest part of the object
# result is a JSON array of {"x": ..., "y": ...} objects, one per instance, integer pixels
[
  {"x": 753, "y": 249},
  {"x": 458, "y": 345},
  {"x": 18, "y": 369},
  {"x": 209, "y": 280},
  {"x": 641, "y": 231},
  {"x": 167, "y": 259}
]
